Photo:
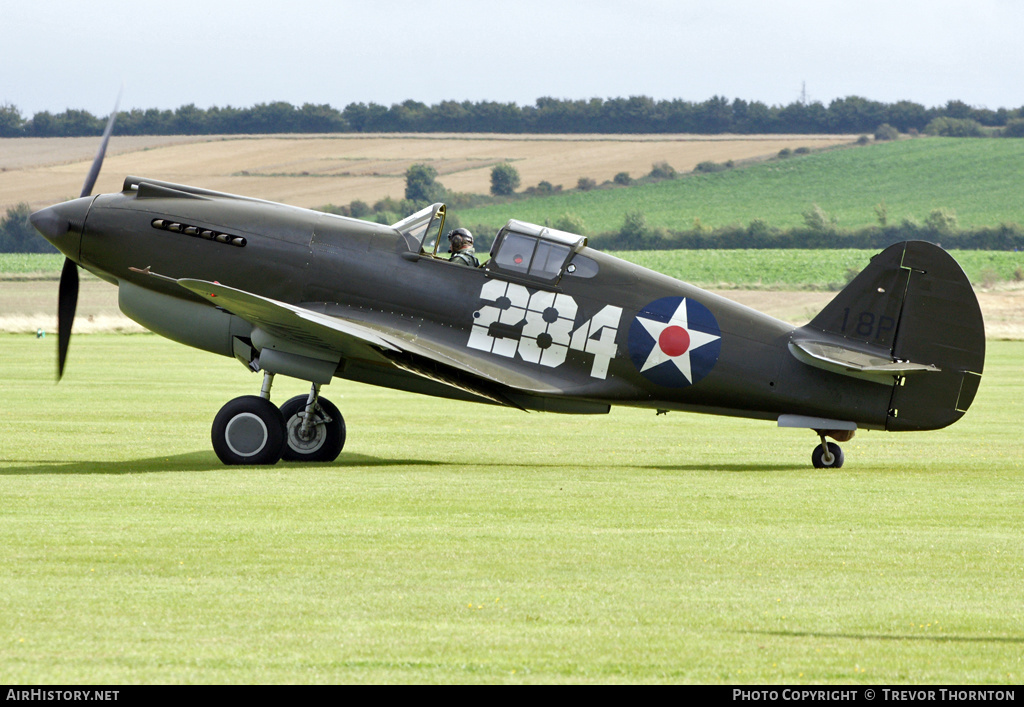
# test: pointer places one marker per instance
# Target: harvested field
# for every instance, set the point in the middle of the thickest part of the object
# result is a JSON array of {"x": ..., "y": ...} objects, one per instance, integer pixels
[
  {"x": 1002, "y": 308},
  {"x": 315, "y": 170}
]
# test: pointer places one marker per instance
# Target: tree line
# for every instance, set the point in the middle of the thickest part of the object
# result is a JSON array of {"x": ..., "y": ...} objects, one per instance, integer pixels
[{"x": 636, "y": 114}]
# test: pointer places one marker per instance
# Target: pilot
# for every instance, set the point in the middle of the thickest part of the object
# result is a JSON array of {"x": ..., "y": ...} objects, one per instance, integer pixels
[{"x": 461, "y": 247}]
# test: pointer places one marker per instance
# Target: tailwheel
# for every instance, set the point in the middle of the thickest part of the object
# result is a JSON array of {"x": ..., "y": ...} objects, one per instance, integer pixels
[
  {"x": 827, "y": 455},
  {"x": 314, "y": 428},
  {"x": 248, "y": 430}
]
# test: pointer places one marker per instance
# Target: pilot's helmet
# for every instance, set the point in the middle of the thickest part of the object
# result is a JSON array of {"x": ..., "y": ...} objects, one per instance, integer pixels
[{"x": 458, "y": 239}]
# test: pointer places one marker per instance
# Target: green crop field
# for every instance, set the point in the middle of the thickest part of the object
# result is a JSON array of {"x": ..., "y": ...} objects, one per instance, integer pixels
[
  {"x": 979, "y": 179},
  {"x": 469, "y": 543},
  {"x": 804, "y": 269},
  {"x": 13, "y": 265}
]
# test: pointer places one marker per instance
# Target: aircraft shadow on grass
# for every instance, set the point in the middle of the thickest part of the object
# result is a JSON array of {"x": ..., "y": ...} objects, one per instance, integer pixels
[
  {"x": 188, "y": 462},
  {"x": 937, "y": 638},
  {"x": 207, "y": 461},
  {"x": 733, "y": 468}
]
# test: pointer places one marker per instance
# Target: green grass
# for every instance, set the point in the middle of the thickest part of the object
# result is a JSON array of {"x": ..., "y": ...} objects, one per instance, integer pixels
[
  {"x": 779, "y": 269},
  {"x": 466, "y": 543},
  {"x": 979, "y": 179}
]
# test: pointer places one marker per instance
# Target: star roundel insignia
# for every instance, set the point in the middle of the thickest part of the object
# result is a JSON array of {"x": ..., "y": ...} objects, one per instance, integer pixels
[{"x": 674, "y": 341}]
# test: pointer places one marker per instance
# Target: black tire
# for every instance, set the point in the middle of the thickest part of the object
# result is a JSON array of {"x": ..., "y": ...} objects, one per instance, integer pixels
[
  {"x": 818, "y": 457},
  {"x": 248, "y": 430},
  {"x": 328, "y": 437}
]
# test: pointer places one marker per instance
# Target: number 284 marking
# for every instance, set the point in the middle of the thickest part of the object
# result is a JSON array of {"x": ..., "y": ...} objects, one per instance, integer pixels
[
  {"x": 867, "y": 324},
  {"x": 540, "y": 327}
]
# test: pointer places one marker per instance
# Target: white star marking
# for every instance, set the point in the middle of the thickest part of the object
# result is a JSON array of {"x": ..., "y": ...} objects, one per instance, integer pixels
[{"x": 659, "y": 356}]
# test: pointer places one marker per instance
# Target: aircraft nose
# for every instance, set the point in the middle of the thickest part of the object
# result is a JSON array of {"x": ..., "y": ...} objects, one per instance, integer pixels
[{"x": 63, "y": 224}]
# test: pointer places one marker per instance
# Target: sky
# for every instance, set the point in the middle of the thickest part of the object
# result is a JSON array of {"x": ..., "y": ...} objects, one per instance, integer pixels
[{"x": 60, "y": 54}]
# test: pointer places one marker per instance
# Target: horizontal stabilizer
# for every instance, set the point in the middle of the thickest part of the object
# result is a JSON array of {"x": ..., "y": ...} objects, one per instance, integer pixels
[{"x": 848, "y": 361}]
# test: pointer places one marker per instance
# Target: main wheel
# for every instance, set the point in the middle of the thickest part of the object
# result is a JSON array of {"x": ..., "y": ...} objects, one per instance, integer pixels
[
  {"x": 818, "y": 457},
  {"x": 248, "y": 430},
  {"x": 326, "y": 437}
]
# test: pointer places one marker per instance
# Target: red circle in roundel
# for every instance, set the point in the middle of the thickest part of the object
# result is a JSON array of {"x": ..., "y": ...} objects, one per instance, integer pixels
[{"x": 674, "y": 341}]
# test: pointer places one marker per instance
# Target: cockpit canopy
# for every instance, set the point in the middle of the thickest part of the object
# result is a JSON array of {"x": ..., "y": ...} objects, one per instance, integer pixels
[
  {"x": 538, "y": 252},
  {"x": 520, "y": 250}
]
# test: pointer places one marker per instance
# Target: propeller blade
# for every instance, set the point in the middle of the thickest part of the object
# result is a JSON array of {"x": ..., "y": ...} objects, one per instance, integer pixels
[
  {"x": 67, "y": 303},
  {"x": 97, "y": 162},
  {"x": 67, "y": 297}
]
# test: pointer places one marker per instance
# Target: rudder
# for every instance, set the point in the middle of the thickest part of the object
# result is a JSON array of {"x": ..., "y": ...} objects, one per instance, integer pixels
[
  {"x": 941, "y": 322},
  {"x": 913, "y": 303}
]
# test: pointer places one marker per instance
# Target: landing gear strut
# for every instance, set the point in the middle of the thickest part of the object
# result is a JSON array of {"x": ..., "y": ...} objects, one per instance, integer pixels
[
  {"x": 315, "y": 430},
  {"x": 252, "y": 430}
]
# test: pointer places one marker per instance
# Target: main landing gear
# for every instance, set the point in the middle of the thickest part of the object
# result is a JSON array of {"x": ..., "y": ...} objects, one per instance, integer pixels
[{"x": 252, "y": 430}]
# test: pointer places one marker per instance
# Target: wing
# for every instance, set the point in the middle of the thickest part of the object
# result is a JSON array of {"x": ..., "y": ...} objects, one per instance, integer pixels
[
  {"x": 286, "y": 321},
  {"x": 347, "y": 338}
]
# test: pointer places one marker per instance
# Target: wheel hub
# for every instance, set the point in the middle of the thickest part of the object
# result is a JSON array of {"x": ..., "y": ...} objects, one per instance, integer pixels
[
  {"x": 306, "y": 438},
  {"x": 246, "y": 434}
]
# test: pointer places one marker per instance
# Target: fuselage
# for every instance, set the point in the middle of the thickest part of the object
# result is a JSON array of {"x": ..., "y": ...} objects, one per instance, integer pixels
[{"x": 606, "y": 332}]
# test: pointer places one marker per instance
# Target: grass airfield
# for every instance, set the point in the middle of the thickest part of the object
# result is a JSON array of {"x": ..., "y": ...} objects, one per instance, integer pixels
[{"x": 466, "y": 543}]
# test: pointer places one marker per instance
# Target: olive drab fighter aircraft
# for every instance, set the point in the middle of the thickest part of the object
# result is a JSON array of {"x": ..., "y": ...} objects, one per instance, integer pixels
[{"x": 546, "y": 324}]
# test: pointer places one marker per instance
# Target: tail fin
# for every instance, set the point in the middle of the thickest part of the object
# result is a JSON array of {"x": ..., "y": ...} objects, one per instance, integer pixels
[{"x": 912, "y": 313}]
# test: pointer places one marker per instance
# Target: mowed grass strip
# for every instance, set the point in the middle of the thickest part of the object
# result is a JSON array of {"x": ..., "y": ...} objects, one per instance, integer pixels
[
  {"x": 469, "y": 543},
  {"x": 977, "y": 179},
  {"x": 789, "y": 268}
]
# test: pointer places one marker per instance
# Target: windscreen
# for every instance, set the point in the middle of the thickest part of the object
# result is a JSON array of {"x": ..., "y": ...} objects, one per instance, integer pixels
[{"x": 424, "y": 227}]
